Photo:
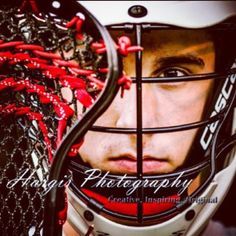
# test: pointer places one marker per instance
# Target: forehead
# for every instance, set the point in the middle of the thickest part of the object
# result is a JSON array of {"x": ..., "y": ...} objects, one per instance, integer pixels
[
  {"x": 157, "y": 39},
  {"x": 168, "y": 47}
]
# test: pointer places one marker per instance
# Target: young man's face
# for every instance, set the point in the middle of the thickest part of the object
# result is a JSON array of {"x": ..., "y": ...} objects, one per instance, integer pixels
[{"x": 167, "y": 53}]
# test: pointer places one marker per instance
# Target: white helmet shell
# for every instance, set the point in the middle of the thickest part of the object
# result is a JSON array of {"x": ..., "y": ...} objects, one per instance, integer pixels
[{"x": 189, "y": 14}]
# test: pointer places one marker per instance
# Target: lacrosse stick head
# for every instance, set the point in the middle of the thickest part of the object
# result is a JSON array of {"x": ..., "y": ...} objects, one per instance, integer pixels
[{"x": 56, "y": 61}]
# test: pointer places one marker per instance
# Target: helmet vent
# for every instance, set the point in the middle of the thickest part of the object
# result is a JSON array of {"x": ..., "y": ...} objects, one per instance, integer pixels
[
  {"x": 88, "y": 215},
  {"x": 190, "y": 215}
]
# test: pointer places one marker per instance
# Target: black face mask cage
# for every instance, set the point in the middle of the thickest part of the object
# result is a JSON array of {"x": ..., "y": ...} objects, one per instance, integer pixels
[{"x": 212, "y": 152}]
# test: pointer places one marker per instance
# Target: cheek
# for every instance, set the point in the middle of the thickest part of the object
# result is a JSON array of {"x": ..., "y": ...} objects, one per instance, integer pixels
[
  {"x": 197, "y": 98},
  {"x": 93, "y": 148},
  {"x": 185, "y": 104},
  {"x": 111, "y": 115},
  {"x": 174, "y": 146},
  {"x": 99, "y": 147},
  {"x": 179, "y": 152}
]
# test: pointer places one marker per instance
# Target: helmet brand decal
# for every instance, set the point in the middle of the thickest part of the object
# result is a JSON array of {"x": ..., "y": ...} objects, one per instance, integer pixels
[{"x": 220, "y": 105}]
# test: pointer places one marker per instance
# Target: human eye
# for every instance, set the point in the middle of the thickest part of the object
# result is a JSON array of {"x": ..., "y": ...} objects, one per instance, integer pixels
[{"x": 171, "y": 73}]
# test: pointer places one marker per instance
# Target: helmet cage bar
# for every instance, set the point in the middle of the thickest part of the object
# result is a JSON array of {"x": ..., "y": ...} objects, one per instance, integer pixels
[
  {"x": 214, "y": 76},
  {"x": 139, "y": 131},
  {"x": 160, "y": 129},
  {"x": 224, "y": 146},
  {"x": 227, "y": 25},
  {"x": 139, "y": 140}
]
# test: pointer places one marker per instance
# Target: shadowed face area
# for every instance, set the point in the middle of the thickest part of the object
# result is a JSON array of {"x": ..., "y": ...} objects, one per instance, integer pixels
[{"x": 167, "y": 53}]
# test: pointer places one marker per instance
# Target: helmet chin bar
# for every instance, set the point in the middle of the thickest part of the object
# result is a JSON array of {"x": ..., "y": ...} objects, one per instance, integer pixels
[
  {"x": 178, "y": 225},
  {"x": 210, "y": 162}
]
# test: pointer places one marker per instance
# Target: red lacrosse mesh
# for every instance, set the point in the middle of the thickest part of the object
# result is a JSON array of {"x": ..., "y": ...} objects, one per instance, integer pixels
[
  {"x": 84, "y": 83},
  {"x": 50, "y": 68}
]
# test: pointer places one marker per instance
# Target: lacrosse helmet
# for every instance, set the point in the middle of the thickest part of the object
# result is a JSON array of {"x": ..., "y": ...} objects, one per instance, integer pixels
[{"x": 90, "y": 210}]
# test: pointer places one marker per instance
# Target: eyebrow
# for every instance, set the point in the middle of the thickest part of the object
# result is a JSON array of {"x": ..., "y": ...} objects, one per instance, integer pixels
[{"x": 180, "y": 59}]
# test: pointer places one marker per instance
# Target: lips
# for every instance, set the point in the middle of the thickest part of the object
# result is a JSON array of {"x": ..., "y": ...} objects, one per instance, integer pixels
[{"x": 128, "y": 164}]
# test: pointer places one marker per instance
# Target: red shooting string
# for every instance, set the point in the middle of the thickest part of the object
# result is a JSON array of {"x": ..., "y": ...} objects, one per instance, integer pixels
[
  {"x": 125, "y": 83},
  {"x": 50, "y": 71},
  {"x": 77, "y": 23},
  {"x": 124, "y": 47}
]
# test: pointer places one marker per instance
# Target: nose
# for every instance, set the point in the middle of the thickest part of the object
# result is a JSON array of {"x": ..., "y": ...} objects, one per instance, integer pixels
[
  {"x": 151, "y": 108},
  {"x": 128, "y": 112},
  {"x": 127, "y": 117}
]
